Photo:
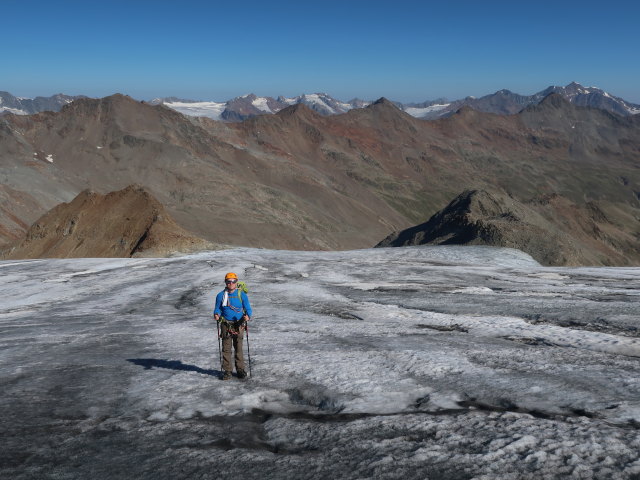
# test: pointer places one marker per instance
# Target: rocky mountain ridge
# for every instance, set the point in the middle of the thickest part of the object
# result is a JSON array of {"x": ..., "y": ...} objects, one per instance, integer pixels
[
  {"x": 250, "y": 105},
  {"x": 28, "y": 106},
  {"x": 503, "y": 102},
  {"x": 301, "y": 180}
]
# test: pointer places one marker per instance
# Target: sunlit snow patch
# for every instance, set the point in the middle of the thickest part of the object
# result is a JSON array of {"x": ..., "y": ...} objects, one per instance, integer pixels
[
  {"x": 199, "y": 109},
  {"x": 261, "y": 104},
  {"x": 548, "y": 275},
  {"x": 315, "y": 99},
  {"x": 15, "y": 111},
  {"x": 421, "y": 112},
  {"x": 474, "y": 290}
]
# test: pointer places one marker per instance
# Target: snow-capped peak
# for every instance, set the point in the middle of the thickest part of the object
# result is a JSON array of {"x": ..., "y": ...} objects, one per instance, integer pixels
[{"x": 262, "y": 103}]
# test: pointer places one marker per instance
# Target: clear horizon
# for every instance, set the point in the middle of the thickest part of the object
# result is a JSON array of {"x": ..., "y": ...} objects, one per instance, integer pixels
[{"x": 406, "y": 51}]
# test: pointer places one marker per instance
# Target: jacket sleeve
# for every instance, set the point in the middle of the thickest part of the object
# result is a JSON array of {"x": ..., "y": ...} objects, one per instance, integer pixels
[
  {"x": 246, "y": 304},
  {"x": 217, "y": 308}
]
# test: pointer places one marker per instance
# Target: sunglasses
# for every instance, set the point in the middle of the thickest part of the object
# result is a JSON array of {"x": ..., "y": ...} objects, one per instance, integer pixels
[{"x": 231, "y": 281}]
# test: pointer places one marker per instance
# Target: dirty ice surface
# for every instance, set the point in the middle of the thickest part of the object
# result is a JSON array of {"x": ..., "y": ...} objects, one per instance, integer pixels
[{"x": 422, "y": 362}]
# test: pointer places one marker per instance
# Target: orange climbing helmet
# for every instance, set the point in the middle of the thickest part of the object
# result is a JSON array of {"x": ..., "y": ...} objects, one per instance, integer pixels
[{"x": 230, "y": 275}]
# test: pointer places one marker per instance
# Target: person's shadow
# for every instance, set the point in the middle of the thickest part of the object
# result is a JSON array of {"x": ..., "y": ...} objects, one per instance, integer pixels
[{"x": 149, "y": 363}]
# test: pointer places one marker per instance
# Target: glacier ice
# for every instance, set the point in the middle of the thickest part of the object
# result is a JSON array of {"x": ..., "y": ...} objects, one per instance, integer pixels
[{"x": 418, "y": 362}]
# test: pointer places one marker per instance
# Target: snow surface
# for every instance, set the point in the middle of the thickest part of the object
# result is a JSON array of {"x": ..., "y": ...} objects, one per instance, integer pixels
[
  {"x": 420, "y": 112},
  {"x": 261, "y": 103},
  {"x": 316, "y": 99},
  {"x": 321, "y": 101},
  {"x": 199, "y": 109},
  {"x": 420, "y": 362},
  {"x": 15, "y": 111}
]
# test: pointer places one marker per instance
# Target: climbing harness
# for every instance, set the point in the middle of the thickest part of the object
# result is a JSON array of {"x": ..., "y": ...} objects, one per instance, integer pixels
[{"x": 232, "y": 328}]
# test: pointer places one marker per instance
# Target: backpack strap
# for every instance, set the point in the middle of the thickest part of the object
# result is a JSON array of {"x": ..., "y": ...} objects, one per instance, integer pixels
[{"x": 240, "y": 298}]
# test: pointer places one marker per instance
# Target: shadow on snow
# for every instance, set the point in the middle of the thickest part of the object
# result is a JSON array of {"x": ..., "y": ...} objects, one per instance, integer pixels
[{"x": 149, "y": 363}]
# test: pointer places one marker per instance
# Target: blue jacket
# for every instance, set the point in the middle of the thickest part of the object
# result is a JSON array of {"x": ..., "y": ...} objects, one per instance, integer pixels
[{"x": 235, "y": 310}]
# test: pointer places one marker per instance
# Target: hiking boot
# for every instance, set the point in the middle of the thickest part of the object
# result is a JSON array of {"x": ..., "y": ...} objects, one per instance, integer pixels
[
  {"x": 242, "y": 374},
  {"x": 226, "y": 376}
]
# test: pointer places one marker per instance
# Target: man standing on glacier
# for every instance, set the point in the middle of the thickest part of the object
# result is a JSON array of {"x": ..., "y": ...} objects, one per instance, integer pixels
[{"x": 232, "y": 311}]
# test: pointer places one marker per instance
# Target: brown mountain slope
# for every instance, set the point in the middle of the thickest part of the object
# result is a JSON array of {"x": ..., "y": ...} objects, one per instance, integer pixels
[
  {"x": 551, "y": 229},
  {"x": 301, "y": 180},
  {"x": 126, "y": 223},
  {"x": 416, "y": 167},
  {"x": 207, "y": 176}
]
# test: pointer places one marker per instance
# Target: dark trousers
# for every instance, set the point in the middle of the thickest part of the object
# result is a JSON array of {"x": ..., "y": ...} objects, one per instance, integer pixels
[{"x": 229, "y": 339}]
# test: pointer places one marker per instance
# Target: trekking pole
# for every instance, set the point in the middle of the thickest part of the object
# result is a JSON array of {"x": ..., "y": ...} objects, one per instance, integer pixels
[
  {"x": 246, "y": 329},
  {"x": 219, "y": 346}
]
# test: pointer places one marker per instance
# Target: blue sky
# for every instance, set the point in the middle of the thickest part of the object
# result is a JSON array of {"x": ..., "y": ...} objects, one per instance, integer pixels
[{"x": 403, "y": 50}]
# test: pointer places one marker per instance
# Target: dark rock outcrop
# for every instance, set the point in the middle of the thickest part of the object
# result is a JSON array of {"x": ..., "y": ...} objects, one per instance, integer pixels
[{"x": 551, "y": 229}]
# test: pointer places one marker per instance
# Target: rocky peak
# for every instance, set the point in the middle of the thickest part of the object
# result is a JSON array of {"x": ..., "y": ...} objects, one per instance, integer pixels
[
  {"x": 553, "y": 101},
  {"x": 129, "y": 222},
  {"x": 298, "y": 109},
  {"x": 383, "y": 102},
  {"x": 93, "y": 105},
  {"x": 552, "y": 229}
]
